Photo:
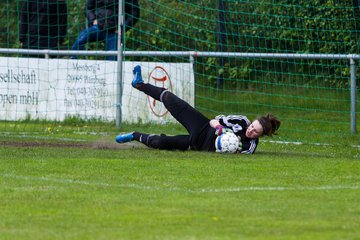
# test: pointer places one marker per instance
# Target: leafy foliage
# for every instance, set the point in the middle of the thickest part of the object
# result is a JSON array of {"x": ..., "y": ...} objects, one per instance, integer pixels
[{"x": 258, "y": 26}]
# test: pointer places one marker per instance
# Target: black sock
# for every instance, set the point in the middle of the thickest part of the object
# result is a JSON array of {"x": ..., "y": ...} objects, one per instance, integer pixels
[{"x": 141, "y": 137}]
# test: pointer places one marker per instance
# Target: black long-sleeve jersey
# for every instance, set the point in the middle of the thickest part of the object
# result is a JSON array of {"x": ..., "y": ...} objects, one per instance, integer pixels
[{"x": 238, "y": 124}]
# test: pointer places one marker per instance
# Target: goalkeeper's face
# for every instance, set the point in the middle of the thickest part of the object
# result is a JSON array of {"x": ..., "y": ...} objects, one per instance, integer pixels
[{"x": 255, "y": 130}]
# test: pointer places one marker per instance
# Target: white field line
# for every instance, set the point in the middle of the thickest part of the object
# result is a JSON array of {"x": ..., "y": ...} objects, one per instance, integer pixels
[
  {"x": 301, "y": 143},
  {"x": 177, "y": 189}
]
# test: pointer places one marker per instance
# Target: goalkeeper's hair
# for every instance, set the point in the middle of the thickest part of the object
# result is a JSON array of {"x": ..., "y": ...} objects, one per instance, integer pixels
[{"x": 270, "y": 124}]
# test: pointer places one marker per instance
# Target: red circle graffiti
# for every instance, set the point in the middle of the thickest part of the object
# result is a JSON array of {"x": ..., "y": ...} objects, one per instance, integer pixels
[{"x": 162, "y": 79}]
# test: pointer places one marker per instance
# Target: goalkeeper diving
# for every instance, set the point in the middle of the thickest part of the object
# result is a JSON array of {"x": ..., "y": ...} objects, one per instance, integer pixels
[{"x": 202, "y": 130}]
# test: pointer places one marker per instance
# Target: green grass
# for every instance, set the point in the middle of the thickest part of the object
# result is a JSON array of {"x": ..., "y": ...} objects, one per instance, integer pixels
[{"x": 101, "y": 191}]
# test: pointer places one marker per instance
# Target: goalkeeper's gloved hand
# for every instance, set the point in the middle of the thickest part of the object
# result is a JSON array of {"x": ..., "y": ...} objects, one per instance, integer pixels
[{"x": 220, "y": 129}]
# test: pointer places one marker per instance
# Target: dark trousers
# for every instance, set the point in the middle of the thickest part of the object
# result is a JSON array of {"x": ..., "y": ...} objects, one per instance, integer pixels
[
  {"x": 194, "y": 121},
  {"x": 94, "y": 34}
]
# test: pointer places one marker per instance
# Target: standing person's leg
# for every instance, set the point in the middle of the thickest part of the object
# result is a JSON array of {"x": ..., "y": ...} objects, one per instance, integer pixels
[
  {"x": 88, "y": 35},
  {"x": 184, "y": 113},
  {"x": 111, "y": 44}
]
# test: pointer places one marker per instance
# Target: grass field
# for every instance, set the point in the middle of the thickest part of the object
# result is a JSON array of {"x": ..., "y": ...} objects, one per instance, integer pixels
[{"x": 71, "y": 186}]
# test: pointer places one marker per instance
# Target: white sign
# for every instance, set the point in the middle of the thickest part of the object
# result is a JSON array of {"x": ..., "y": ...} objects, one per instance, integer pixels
[{"x": 53, "y": 89}]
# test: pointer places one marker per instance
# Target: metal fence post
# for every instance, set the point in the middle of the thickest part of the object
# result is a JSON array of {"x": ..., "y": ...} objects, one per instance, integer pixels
[
  {"x": 353, "y": 95},
  {"x": 119, "y": 85}
]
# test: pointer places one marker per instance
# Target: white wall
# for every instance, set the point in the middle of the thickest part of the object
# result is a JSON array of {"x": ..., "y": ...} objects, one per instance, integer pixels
[{"x": 54, "y": 88}]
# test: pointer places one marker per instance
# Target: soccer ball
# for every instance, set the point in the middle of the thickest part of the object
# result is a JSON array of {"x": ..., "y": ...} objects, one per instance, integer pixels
[{"x": 227, "y": 142}]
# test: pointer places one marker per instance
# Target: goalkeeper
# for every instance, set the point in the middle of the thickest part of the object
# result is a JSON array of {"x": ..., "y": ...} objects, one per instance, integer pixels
[{"x": 202, "y": 131}]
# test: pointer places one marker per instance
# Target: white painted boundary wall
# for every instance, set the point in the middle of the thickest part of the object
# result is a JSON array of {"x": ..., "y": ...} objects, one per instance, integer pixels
[{"x": 52, "y": 89}]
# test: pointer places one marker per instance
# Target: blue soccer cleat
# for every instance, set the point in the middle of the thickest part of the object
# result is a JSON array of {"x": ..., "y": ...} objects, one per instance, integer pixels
[
  {"x": 123, "y": 138},
  {"x": 137, "y": 77}
]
